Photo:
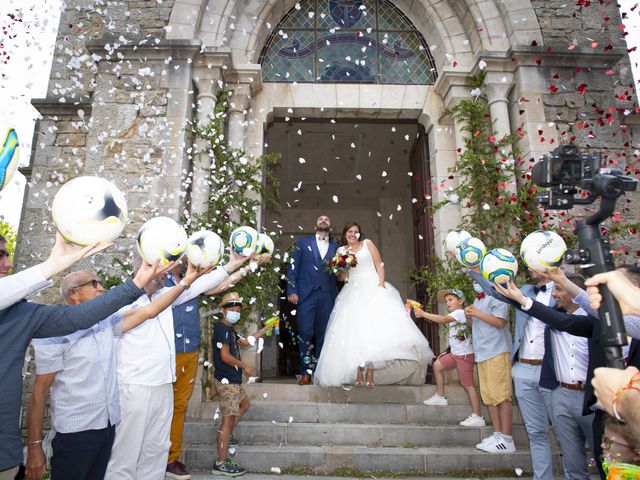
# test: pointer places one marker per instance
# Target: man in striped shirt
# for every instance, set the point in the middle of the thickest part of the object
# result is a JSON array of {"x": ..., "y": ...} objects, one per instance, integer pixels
[{"x": 80, "y": 371}]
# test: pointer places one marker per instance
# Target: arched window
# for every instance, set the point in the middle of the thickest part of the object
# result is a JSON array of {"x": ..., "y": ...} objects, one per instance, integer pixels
[{"x": 352, "y": 41}]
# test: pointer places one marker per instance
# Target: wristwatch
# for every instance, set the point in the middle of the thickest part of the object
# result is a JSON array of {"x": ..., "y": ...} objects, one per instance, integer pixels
[{"x": 184, "y": 284}]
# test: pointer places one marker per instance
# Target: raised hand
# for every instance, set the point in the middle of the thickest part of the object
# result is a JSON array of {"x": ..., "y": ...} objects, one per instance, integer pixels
[
  {"x": 193, "y": 272},
  {"x": 608, "y": 381},
  {"x": 511, "y": 291},
  {"x": 65, "y": 254},
  {"x": 556, "y": 275},
  {"x": 148, "y": 272}
]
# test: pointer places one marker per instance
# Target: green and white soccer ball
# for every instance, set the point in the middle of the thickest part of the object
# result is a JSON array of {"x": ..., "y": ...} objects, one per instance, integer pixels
[
  {"x": 161, "y": 238},
  {"x": 265, "y": 246},
  {"x": 469, "y": 252},
  {"x": 499, "y": 265},
  {"x": 453, "y": 238},
  {"x": 89, "y": 209},
  {"x": 244, "y": 240},
  {"x": 543, "y": 250},
  {"x": 9, "y": 151},
  {"x": 205, "y": 248}
]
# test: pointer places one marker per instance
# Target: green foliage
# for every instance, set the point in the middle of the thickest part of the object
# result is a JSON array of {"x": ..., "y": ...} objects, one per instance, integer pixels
[
  {"x": 10, "y": 234},
  {"x": 445, "y": 274}
]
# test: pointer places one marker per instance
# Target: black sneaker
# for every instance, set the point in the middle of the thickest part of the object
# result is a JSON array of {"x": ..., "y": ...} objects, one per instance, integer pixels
[
  {"x": 233, "y": 442},
  {"x": 227, "y": 469}
]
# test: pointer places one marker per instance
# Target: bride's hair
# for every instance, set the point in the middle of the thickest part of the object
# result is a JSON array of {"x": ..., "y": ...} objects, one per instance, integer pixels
[{"x": 346, "y": 229}]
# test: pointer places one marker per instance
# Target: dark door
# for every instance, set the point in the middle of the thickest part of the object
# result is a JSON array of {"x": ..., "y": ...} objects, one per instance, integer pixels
[{"x": 423, "y": 225}]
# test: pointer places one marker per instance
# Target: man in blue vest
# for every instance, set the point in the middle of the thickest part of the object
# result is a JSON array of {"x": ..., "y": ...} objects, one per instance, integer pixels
[{"x": 313, "y": 290}]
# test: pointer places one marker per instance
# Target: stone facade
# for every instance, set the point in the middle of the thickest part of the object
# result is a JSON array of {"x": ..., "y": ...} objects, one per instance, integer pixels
[{"x": 127, "y": 75}]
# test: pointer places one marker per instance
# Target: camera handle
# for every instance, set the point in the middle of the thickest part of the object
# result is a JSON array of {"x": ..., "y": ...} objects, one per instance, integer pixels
[{"x": 595, "y": 257}]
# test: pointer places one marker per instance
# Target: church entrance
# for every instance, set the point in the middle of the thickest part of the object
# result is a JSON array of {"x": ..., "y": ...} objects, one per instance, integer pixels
[{"x": 366, "y": 171}]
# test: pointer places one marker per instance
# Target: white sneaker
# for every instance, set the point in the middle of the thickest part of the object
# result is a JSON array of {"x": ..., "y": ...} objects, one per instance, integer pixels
[
  {"x": 473, "y": 420},
  {"x": 436, "y": 400},
  {"x": 500, "y": 445},
  {"x": 485, "y": 441}
]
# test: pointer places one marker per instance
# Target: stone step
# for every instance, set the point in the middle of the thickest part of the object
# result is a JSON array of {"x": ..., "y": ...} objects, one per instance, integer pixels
[
  {"x": 350, "y": 394},
  {"x": 328, "y": 459},
  {"x": 388, "y": 435},
  {"x": 374, "y": 413}
]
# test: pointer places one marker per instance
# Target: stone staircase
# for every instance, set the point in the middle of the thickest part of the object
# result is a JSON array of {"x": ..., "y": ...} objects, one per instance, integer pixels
[{"x": 384, "y": 430}]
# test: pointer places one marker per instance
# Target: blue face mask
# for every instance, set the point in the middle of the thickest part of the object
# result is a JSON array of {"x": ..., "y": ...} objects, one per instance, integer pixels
[
  {"x": 233, "y": 317},
  {"x": 478, "y": 288}
]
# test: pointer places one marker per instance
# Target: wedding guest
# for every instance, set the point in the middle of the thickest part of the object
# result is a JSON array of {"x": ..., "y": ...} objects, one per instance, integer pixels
[
  {"x": 459, "y": 355},
  {"x": 145, "y": 382},
  {"x": 234, "y": 402},
  {"x": 618, "y": 393},
  {"x": 78, "y": 372},
  {"x": 22, "y": 321},
  {"x": 186, "y": 325},
  {"x": 621, "y": 451},
  {"x": 492, "y": 349},
  {"x": 313, "y": 290}
]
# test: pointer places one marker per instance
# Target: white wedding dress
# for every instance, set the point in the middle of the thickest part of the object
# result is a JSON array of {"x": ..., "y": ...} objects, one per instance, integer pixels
[{"x": 368, "y": 324}]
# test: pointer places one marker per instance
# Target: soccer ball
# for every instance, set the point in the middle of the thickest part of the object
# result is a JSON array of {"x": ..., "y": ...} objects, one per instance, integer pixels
[
  {"x": 161, "y": 238},
  {"x": 89, "y": 209},
  {"x": 499, "y": 265},
  {"x": 469, "y": 252},
  {"x": 9, "y": 151},
  {"x": 205, "y": 248},
  {"x": 265, "y": 246},
  {"x": 453, "y": 238},
  {"x": 542, "y": 249},
  {"x": 244, "y": 240}
]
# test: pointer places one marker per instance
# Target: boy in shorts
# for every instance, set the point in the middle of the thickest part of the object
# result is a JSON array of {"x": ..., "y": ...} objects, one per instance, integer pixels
[
  {"x": 234, "y": 401},
  {"x": 459, "y": 355},
  {"x": 492, "y": 349}
]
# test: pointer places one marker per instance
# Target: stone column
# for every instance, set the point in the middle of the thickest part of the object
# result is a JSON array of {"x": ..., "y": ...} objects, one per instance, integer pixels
[{"x": 243, "y": 81}]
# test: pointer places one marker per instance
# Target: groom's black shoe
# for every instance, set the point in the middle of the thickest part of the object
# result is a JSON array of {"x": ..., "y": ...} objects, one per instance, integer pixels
[{"x": 304, "y": 380}]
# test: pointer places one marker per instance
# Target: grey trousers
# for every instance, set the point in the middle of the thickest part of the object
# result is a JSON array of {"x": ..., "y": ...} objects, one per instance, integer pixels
[
  {"x": 9, "y": 474},
  {"x": 573, "y": 431},
  {"x": 535, "y": 406}
]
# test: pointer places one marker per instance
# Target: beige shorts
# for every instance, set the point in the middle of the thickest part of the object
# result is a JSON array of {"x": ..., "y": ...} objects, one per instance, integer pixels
[
  {"x": 495, "y": 379},
  {"x": 230, "y": 396}
]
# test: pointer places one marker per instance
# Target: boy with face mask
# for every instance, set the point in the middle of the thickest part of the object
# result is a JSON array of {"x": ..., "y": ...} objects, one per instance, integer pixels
[{"x": 234, "y": 401}]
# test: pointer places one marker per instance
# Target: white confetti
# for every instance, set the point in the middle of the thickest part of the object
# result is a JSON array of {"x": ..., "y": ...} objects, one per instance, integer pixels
[
  {"x": 290, "y": 419},
  {"x": 265, "y": 395},
  {"x": 252, "y": 340},
  {"x": 276, "y": 470},
  {"x": 335, "y": 199},
  {"x": 519, "y": 471}
]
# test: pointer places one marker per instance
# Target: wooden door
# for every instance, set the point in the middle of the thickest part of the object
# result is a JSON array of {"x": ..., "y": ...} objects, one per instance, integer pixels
[{"x": 423, "y": 225}]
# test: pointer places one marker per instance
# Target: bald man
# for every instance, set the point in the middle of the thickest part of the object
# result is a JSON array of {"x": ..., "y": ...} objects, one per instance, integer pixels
[{"x": 79, "y": 373}]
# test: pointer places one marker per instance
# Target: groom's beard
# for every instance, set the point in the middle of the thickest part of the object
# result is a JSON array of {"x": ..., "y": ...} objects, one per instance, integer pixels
[{"x": 323, "y": 229}]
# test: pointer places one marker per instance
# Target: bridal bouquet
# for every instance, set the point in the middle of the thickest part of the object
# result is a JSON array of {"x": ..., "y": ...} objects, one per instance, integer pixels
[{"x": 343, "y": 261}]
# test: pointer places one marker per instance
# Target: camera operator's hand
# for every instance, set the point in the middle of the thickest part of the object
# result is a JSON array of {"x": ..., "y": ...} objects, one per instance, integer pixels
[
  {"x": 512, "y": 292},
  {"x": 625, "y": 292},
  {"x": 608, "y": 381}
]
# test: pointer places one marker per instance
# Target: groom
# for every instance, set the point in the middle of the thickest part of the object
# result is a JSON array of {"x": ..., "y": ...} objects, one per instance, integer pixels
[{"x": 313, "y": 290}]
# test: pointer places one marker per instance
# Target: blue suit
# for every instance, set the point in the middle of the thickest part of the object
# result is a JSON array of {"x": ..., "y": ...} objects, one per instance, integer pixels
[{"x": 316, "y": 290}]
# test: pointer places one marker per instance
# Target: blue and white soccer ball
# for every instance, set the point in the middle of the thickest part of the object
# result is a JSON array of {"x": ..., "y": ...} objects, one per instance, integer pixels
[
  {"x": 499, "y": 265},
  {"x": 9, "y": 151},
  {"x": 543, "y": 250},
  {"x": 161, "y": 238},
  {"x": 244, "y": 240},
  {"x": 453, "y": 238},
  {"x": 89, "y": 209},
  {"x": 265, "y": 246},
  {"x": 205, "y": 248},
  {"x": 469, "y": 252}
]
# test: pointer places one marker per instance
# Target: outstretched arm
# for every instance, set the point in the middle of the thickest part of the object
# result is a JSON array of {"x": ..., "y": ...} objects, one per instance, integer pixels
[
  {"x": 434, "y": 317},
  {"x": 377, "y": 261}
]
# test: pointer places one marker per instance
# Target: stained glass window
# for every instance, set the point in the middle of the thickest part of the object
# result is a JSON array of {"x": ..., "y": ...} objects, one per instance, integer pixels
[{"x": 352, "y": 41}]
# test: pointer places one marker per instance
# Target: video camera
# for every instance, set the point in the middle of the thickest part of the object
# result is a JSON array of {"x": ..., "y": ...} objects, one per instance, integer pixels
[{"x": 563, "y": 171}]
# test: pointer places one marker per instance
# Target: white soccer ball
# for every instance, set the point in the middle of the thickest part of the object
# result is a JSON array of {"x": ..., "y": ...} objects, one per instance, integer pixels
[
  {"x": 453, "y": 238},
  {"x": 244, "y": 240},
  {"x": 499, "y": 265},
  {"x": 205, "y": 248},
  {"x": 542, "y": 249},
  {"x": 9, "y": 151},
  {"x": 161, "y": 238},
  {"x": 89, "y": 209},
  {"x": 265, "y": 246},
  {"x": 469, "y": 252}
]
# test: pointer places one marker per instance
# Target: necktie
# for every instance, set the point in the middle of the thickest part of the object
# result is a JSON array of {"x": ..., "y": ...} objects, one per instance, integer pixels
[{"x": 537, "y": 290}]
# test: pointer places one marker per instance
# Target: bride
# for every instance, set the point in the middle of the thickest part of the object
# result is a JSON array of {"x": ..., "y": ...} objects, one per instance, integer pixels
[{"x": 369, "y": 325}]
